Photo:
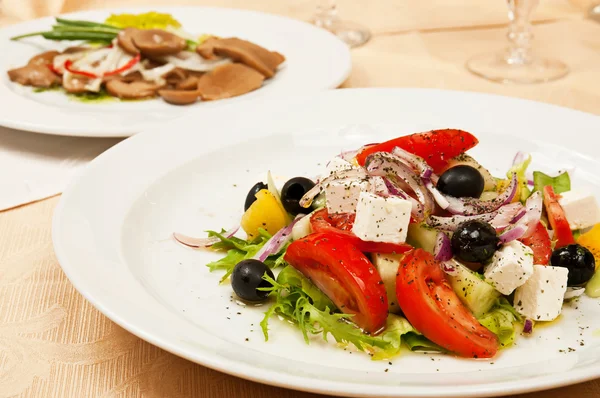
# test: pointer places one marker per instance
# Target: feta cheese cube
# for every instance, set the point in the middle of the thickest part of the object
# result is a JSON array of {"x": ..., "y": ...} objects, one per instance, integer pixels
[
  {"x": 381, "y": 219},
  {"x": 342, "y": 196},
  {"x": 511, "y": 266},
  {"x": 541, "y": 297},
  {"x": 387, "y": 265},
  {"x": 581, "y": 209},
  {"x": 336, "y": 164}
]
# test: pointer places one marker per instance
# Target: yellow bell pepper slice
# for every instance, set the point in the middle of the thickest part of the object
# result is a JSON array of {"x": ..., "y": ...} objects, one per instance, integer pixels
[{"x": 266, "y": 213}]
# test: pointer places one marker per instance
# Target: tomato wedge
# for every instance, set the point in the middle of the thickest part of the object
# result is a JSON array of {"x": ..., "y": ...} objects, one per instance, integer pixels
[
  {"x": 437, "y": 147},
  {"x": 557, "y": 218},
  {"x": 432, "y": 307},
  {"x": 341, "y": 225},
  {"x": 345, "y": 275},
  {"x": 540, "y": 243}
]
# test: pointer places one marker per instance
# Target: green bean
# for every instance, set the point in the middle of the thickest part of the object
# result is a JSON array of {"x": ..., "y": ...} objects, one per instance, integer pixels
[
  {"x": 84, "y": 23},
  {"x": 64, "y": 28},
  {"x": 53, "y": 35}
]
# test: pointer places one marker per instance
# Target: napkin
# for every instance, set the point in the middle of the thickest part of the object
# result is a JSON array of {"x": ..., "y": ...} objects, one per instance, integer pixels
[{"x": 36, "y": 166}]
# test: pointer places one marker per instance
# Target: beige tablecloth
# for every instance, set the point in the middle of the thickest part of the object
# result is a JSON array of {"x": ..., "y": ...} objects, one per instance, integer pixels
[{"x": 54, "y": 344}]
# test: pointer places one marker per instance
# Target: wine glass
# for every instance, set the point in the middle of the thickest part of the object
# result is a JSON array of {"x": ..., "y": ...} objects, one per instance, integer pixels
[
  {"x": 327, "y": 17},
  {"x": 517, "y": 64}
]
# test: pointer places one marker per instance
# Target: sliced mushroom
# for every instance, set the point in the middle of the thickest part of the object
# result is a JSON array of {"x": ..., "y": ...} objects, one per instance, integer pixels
[
  {"x": 73, "y": 50},
  {"x": 189, "y": 83},
  {"x": 125, "y": 41},
  {"x": 207, "y": 48},
  {"x": 228, "y": 81},
  {"x": 34, "y": 75},
  {"x": 75, "y": 84},
  {"x": 131, "y": 77},
  {"x": 156, "y": 42},
  {"x": 132, "y": 90},
  {"x": 253, "y": 55},
  {"x": 46, "y": 58},
  {"x": 175, "y": 76},
  {"x": 180, "y": 97}
]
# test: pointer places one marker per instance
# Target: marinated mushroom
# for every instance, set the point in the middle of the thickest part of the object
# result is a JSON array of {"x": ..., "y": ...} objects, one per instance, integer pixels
[
  {"x": 75, "y": 84},
  {"x": 125, "y": 41},
  {"x": 132, "y": 90},
  {"x": 253, "y": 55},
  {"x": 156, "y": 42},
  {"x": 34, "y": 75},
  {"x": 46, "y": 58},
  {"x": 189, "y": 83},
  {"x": 180, "y": 97},
  {"x": 229, "y": 80}
]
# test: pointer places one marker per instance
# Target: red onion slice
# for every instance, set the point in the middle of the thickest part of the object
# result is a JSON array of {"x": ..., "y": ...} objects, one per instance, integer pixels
[
  {"x": 512, "y": 233},
  {"x": 449, "y": 267},
  {"x": 442, "y": 250},
  {"x": 508, "y": 214},
  {"x": 439, "y": 197},
  {"x": 533, "y": 206},
  {"x": 388, "y": 165},
  {"x": 394, "y": 190},
  {"x": 414, "y": 161},
  {"x": 528, "y": 326},
  {"x": 451, "y": 223},
  {"x": 377, "y": 186},
  {"x": 355, "y": 173},
  {"x": 416, "y": 210},
  {"x": 472, "y": 206},
  {"x": 202, "y": 242},
  {"x": 277, "y": 241}
]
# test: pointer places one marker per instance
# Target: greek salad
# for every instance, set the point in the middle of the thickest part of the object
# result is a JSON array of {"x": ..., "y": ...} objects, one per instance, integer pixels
[{"x": 413, "y": 243}]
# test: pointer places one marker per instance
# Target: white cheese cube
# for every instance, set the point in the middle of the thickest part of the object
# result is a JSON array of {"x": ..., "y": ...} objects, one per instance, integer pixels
[
  {"x": 381, "y": 219},
  {"x": 387, "y": 265},
  {"x": 581, "y": 209},
  {"x": 541, "y": 297},
  {"x": 337, "y": 164},
  {"x": 511, "y": 266},
  {"x": 342, "y": 196}
]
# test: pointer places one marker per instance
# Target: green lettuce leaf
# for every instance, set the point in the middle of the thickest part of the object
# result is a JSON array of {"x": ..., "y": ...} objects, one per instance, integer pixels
[
  {"x": 561, "y": 183},
  {"x": 415, "y": 341},
  {"x": 298, "y": 300},
  {"x": 502, "y": 320},
  {"x": 520, "y": 169},
  {"x": 240, "y": 249}
]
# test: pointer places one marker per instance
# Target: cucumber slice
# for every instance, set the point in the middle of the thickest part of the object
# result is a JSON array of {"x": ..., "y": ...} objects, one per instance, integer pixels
[
  {"x": 592, "y": 288},
  {"x": 421, "y": 236},
  {"x": 475, "y": 293}
]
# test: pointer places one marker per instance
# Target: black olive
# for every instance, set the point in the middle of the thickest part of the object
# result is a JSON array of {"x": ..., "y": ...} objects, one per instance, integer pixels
[
  {"x": 251, "y": 198},
  {"x": 578, "y": 260},
  {"x": 461, "y": 182},
  {"x": 247, "y": 277},
  {"x": 293, "y": 191},
  {"x": 474, "y": 241}
]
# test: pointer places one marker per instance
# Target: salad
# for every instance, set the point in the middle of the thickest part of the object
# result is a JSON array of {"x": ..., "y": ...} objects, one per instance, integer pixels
[
  {"x": 413, "y": 243},
  {"x": 143, "y": 56}
]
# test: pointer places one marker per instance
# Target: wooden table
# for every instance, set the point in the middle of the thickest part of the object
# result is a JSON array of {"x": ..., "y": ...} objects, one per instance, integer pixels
[{"x": 53, "y": 343}]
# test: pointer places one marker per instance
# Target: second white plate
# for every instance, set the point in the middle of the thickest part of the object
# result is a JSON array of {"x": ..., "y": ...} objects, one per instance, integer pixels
[{"x": 315, "y": 60}]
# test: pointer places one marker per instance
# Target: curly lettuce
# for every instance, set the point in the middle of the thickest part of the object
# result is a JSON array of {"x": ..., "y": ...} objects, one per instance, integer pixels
[
  {"x": 561, "y": 183},
  {"x": 299, "y": 301}
]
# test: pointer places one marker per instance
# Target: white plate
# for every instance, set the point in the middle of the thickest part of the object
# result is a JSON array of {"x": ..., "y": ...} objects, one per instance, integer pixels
[
  {"x": 315, "y": 60},
  {"x": 112, "y": 236}
]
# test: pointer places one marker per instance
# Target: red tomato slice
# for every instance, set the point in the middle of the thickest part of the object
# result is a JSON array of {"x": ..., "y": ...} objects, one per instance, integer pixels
[
  {"x": 432, "y": 307},
  {"x": 341, "y": 225},
  {"x": 345, "y": 275},
  {"x": 436, "y": 146},
  {"x": 540, "y": 243},
  {"x": 557, "y": 218}
]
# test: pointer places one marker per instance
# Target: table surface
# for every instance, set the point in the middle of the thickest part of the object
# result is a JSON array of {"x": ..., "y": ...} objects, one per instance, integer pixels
[{"x": 53, "y": 343}]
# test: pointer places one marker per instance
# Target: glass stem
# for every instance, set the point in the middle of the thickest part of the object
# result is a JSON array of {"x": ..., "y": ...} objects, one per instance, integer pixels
[
  {"x": 519, "y": 31},
  {"x": 327, "y": 14}
]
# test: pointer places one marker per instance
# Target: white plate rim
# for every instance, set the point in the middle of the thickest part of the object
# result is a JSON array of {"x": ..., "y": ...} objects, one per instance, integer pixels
[
  {"x": 125, "y": 130},
  {"x": 301, "y": 383}
]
